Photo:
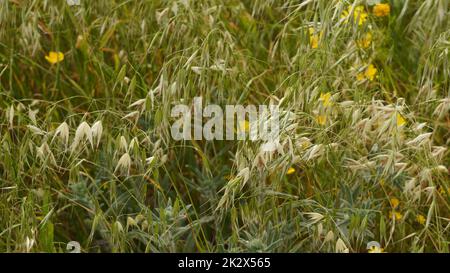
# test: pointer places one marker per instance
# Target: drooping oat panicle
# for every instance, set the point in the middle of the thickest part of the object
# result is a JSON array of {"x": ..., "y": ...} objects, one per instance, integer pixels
[
  {"x": 82, "y": 133},
  {"x": 124, "y": 163},
  {"x": 36, "y": 130},
  {"x": 96, "y": 132},
  {"x": 63, "y": 132}
]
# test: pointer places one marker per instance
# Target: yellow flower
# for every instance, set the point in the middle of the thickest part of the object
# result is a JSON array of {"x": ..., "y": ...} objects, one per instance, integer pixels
[
  {"x": 290, "y": 171},
  {"x": 54, "y": 57},
  {"x": 396, "y": 214},
  {"x": 321, "y": 119},
  {"x": 325, "y": 98},
  {"x": 369, "y": 73},
  {"x": 420, "y": 219},
  {"x": 394, "y": 202},
  {"x": 381, "y": 10},
  {"x": 359, "y": 15},
  {"x": 365, "y": 41},
  {"x": 400, "y": 120},
  {"x": 314, "y": 38}
]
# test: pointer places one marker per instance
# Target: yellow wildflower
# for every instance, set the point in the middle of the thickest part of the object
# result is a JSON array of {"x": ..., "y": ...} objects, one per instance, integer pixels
[
  {"x": 381, "y": 10},
  {"x": 400, "y": 120},
  {"x": 290, "y": 171},
  {"x": 314, "y": 38},
  {"x": 321, "y": 119},
  {"x": 365, "y": 41},
  {"x": 54, "y": 57},
  {"x": 420, "y": 219},
  {"x": 394, "y": 202},
  {"x": 396, "y": 214},
  {"x": 325, "y": 98},
  {"x": 369, "y": 73},
  {"x": 359, "y": 15}
]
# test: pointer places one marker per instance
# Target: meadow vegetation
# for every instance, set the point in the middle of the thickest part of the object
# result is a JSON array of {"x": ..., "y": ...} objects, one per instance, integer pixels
[{"x": 86, "y": 152}]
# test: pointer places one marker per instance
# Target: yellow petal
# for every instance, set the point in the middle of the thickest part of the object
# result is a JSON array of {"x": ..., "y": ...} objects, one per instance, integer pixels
[
  {"x": 325, "y": 98},
  {"x": 420, "y": 219},
  {"x": 359, "y": 15},
  {"x": 314, "y": 38},
  {"x": 381, "y": 10},
  {"x": 54, "y": 57},
  {"x": 371, "y": 72},
  {"x": 394, "y": 202},
  {"x": 396, "y": 214},
  {"x": 321, "y": 119},
  {"x": 290, "y": 171},
  {"x": 314, "y": 41},
  {"x": 400, "y": 120},
  {"x": 344, "y": 15},
  {"x": 365, "y": 41}
]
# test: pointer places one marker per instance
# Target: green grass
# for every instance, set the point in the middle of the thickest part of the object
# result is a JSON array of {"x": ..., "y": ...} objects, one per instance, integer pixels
[{"x": 128, "y": 62}]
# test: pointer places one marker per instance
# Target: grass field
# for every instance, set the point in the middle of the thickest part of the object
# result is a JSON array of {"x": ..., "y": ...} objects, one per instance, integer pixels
[{"x": 86, "y": 152}]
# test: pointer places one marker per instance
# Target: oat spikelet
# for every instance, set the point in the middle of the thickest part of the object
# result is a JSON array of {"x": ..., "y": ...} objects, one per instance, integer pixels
[
  {"x": 124, "y": 163},
  {"x": 96, "y": 131},
  {"x": 83, "y": 132},
  {"x": 63, "y": 132}
]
